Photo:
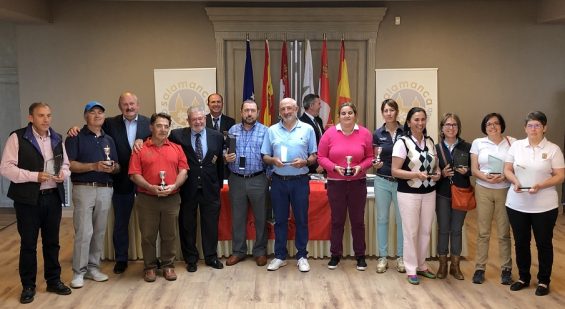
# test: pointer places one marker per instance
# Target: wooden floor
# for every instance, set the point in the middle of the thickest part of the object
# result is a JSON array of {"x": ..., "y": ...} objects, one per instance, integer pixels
[{"x": 248, "y": 286}]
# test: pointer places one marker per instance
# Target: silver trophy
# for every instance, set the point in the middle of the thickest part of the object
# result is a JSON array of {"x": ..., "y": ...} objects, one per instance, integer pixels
[
  {"x": 109, "y": 161},
  {"x": 162, "y": 176},
  {"x": 378, "y": 151},
  {"x": 348, "y": 169}
]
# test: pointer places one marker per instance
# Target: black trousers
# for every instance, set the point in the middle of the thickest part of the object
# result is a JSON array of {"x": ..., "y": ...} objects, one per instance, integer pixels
[
  {"x": 542, "y": 225},
  {"x": 44, "y": 217},
  {"x": 209, "y": 216}
]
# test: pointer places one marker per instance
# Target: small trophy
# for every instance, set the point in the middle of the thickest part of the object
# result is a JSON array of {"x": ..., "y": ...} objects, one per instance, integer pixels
[
  {"x": 378, "y": 151},
  {"x": 162, "y": 176},
  {"x": 348, "y": 169},
  {"x": 109, "y": 161}
]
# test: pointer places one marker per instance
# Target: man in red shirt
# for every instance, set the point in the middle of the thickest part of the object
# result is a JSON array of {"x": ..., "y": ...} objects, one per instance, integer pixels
[{"x": 158, "y": 170}]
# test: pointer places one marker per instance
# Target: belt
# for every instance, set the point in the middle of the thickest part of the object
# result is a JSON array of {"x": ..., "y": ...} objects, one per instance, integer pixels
[
  {"x": 389, "y": 178},
  {"x": 47, "y": 191},
  {"x": 289, "y": 177},
  {"x": 250, "y": 175},
  {"x": 93, "y": 184}
]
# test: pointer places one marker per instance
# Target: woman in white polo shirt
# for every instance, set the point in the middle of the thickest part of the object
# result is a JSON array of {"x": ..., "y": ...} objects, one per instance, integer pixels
[
  {"x": 487, "y": 160},
  {"x": 534, "y": 166}
]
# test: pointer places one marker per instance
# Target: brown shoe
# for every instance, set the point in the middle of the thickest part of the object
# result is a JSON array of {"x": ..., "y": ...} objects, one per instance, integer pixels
[
  {"x": 442, "y": 270},
  {"x": 454, "y": 269},
  {"x": 233, "y": 259},
  {"x": 169, "y": 274},
  {"x": 261, "y": 260},
  {"x": 150, "y": 275}
]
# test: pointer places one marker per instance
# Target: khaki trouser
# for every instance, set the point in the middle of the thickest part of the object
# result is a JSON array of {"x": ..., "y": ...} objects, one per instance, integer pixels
[{"x": 490, "y": 203}]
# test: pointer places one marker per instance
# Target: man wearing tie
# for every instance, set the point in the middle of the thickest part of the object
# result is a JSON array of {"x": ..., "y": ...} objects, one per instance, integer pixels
[
  {"x": 216, "y": 120},
  {"x": 312, "y": 106},
  {"x": 204, "y": 150}
]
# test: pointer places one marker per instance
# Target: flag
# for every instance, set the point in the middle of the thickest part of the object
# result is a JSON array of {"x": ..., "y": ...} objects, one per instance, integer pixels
[
  {"x": 284, "y": 87},
  {"x": 248, "y": 88},
  {"x": 308, "y": 81},
  {"x": 267, "y": 92},
  {"x": 343, "y": 93},
  {"x": 324, "y": 87}
]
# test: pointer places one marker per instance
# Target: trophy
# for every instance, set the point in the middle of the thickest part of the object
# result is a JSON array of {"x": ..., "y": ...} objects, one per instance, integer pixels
[
  {"x": 162, "y": 176},
  {"x": 109, "y": 161},
  {"x": 53, "y": 166},
  {"x": 432, "y": 171},
  {"x": 378, "y": 151},
  {"x": 348, "y": 169}
]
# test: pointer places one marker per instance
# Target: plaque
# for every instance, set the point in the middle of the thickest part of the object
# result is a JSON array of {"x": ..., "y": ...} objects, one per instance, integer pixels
[{"x": 53, "y": 166}]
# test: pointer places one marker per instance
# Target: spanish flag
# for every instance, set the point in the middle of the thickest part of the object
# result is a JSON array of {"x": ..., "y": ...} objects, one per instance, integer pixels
[
  {"x": 267, "y": 92},
  {"x": 343, "y": 93}
]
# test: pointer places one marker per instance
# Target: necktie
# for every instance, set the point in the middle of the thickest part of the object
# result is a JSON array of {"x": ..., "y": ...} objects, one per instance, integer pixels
[
  {"x": 216, "y": 126},
  {"x": 318, "y": 125},
  {"x": 198, "y": 143}
]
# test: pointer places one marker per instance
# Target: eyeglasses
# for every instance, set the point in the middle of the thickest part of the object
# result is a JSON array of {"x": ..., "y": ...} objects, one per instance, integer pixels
[
  {"x": 493, "y": 124},
  {"x": 451, "y": 125},
  {"x": 534, "y": 126}
]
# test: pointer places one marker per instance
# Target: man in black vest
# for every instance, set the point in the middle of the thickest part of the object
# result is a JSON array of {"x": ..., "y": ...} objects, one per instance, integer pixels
[{"x": 35, "y": 162}]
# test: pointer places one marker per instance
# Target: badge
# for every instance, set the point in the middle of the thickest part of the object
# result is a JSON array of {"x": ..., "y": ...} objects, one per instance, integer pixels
[
  {"x": 544, "y": 155},
  {"x": 214, "y": 159}
]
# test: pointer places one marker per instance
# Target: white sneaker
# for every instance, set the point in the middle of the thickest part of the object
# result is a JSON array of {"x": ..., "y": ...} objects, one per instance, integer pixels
[
  {"x": 96, "y": 275},
  {"x": 382, "y": 264},
  {"x": 400, "y": 265},
  {"x": 78, "y": 281},
  {"x": 303, "y": 265},
  {"x": 276, "y": 264}
]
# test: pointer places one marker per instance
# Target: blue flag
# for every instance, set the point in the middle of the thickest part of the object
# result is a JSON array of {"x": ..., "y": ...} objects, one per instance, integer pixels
[{"x": 248, "y": 88}]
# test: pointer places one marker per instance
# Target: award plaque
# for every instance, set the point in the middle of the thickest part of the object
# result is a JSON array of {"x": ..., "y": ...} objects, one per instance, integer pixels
[
  {"x": 460, "y": 159},
  {"x": 526, "y": 177},
  {"x": 231, "y": 142},
  {"x": 53, "y": 166},
  {"x": 496, "y": 165},
  {"x": 348, "y": 169}
]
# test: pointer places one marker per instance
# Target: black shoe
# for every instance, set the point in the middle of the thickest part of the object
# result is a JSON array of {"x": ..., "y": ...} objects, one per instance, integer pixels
[
  {"x": 332, "y": 264},
  {"x": 191, "y": 267},
  {"x": 120, "y": 267},
  {"x": 518, "y": 285},
  {"x": 542, "y": 289},
  {"x": 215, "y": 263},
  {"x": 479, "y": 276},
  {"x": 506, "y": 277},
  {"x": 59, "y": 288},
  {"x": 361, "y": 264},
  {"x": 27, "y": 295}
]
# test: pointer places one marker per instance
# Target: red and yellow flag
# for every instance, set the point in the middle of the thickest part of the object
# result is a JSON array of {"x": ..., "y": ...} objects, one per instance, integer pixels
[
  {"x": 284, "y": 86},
  {"x": 343, "y": 93},
  {"x": 267, "y": 95}
]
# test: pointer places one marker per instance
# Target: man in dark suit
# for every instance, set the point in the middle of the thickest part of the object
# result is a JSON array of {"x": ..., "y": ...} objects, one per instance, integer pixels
[
  {"x": 125, "y": 129},
  {"x": 311, "y": 116},
  {"x": 204, "y": 150},
  {"x": 218, "y": 121}
]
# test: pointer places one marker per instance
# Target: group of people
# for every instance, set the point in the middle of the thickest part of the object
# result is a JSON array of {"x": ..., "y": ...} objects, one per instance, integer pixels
[{"x": 170, "y": 175}]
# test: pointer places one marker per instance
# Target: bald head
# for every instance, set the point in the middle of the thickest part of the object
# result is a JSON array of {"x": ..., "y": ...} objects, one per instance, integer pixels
[{"x": 128, "y": 105}]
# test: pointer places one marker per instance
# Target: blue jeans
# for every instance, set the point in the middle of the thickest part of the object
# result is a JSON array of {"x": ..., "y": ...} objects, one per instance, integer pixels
[
  {"x": 294, "y": 193},
  {"x": 123, "y": 205},
  {"x": 385, "y": 193}
]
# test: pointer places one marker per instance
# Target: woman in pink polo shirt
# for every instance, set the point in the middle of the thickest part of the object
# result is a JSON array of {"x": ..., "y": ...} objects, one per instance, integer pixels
[{"x": 346, "y": 152}]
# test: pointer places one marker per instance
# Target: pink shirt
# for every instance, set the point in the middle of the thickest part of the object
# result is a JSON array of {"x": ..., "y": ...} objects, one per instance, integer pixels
[
  {"x": 335, "y": 145},
  {"x": 9, "y": 167}
]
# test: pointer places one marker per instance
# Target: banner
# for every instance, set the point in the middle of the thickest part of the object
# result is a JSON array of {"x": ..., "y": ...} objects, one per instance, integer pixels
[
  {"x": 248, "y": 86},
  {"x": 267, "y": 92},
  {"x": 324, "y": 87},
  {"x": 178, "y": 89},
  {"x": 409, "y": 88}
]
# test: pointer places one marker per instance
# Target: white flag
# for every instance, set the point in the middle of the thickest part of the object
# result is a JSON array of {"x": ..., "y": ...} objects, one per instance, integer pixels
[{"x": 308, "y": 81}]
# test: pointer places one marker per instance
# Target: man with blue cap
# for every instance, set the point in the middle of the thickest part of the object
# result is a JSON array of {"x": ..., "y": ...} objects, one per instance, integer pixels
[{"x": 92, "y": 155}]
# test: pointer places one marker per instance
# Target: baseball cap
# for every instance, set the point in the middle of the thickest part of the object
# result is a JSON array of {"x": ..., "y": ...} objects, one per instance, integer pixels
[{"x": 92, "y": 104}]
